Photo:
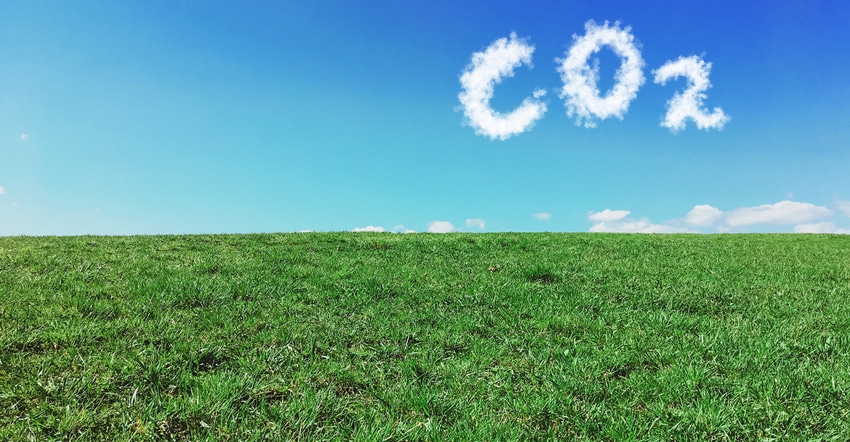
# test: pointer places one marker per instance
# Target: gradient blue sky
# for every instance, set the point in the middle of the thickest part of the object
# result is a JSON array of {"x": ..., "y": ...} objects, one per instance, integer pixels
[{"x": 148, "y": 117}]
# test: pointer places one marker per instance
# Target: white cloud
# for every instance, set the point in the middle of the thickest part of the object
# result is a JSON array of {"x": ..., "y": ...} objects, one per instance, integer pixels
[
  {"x": 478, "y": 80},
  {"x": 627, "y": 225},
  {"x": 703, "y": 215},
  {"x": 689, "y": 103},
  {"x": 617, "y": 221},
  {"x": 370, "y": 229},
  {"x": 440, "y": 227},
  {"x": 805, "y": 217},
  {"x": 580, "y": 88},
  {"x": 608, "y": 215},
  {"x": 824, "y": 227},
  {"x": 401, "y": 229},
  {"x": 783, "y": 212},
  {"x": 305, "y": 231},
  {"x": 476, "y": 222},
  {"x": 2, "y": 190},
  {"x": 542, "y": 216},
  {"x": 24, "y": 137},
  {"x": 844, "y": 206}
]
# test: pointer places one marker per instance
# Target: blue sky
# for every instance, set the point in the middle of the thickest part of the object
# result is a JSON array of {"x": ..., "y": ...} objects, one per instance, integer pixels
[{"x": 149, "y": 117}]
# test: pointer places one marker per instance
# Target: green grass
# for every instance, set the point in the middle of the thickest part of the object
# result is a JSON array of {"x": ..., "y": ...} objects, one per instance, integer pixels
[{"x": 329, "y": 336}]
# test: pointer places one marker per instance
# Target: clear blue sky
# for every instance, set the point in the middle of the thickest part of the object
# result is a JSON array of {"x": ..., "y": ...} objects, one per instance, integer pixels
[{"x": 177, "y": 116}]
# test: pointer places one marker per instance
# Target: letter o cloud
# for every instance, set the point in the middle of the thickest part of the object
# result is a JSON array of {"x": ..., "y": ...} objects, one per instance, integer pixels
[
  {"x": 478, "y": 80},
  {"x": 581, "y": 92}
]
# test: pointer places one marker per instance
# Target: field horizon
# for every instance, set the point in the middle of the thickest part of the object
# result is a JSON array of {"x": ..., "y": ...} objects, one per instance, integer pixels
[{"x": 460, "y": 336}]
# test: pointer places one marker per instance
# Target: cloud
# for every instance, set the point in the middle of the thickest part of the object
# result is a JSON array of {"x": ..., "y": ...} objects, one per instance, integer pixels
[
  {"x": 824, "y": 227},
  {"x": 369, "y": 229},
  {"x": 478, "y": 80},
  {"x": 703, "y": 215},
  {"x": 542, "y": 216},
  {"x": 476, "y": 222},
  {"x": 805, "y": 217},
  {"x": 2, "y": 190},
  {"x": 617, "y": 221},
  {"x": 608, "y": 215},
  {"x": 440, "y": 227},
  {"x": 24, "y": 137},
  {"x": 689, "y": 103},
  {"x": 396, "y": 229},
  {"x": 401, "y": 229},
  {"x": 844, "y": 206},
  {"x": 783, "y": 212},
  {"x": 580, "y": 90},
  {"x": 627, "y": 225}
]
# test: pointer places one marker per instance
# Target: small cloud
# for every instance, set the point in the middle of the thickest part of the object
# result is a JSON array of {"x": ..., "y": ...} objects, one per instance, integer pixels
[
  {"x": 636, "y": 226},
  {"x": 608, "y": 215},
  {"x": 479, "y": 78},
  {"x": 617, "y": 221},
  {"x": 2, "y": 190},
  {"x": 476, "y": 222},
  {"x": 844, "y": 206},
  {"x": 24, "y": 137},
  {"x": 401, "y": 229},
  {"x": 825, "y": 227},
  {"x": 783, "y": 212},
  {"x": 440, "y": 227},
  {"x": 703, "y": 215},
  {"x": 369, "y": 229},
  {"x": 542, "y": 216},
  {"x": 305, "y": 231}
]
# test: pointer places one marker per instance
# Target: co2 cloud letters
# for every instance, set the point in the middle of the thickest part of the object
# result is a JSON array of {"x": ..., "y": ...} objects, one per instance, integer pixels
[{"x": 580, "y": 92}]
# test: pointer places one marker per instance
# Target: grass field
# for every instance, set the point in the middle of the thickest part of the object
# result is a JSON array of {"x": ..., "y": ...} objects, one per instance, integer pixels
[{"x": 367, "y": 336}]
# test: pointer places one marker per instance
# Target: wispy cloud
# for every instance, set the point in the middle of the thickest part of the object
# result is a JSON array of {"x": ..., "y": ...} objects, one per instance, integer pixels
[
  {"x": 2, "y": 190},
  {"x": 844, "y": 206},
  {"x": 689, "y": 103},
  {"x": 478, "y": 81},
  {"x": 608, "y": 215},
  {"x": 703, "y": 215},
  {"x": 581, "y": 91},
  {"x": 440, "y": 227},
  {"x": 618, "y": 221},
  {"x": 401, "y": 229},
  {"x": 477, "y": 223},
  {"x": 24, "y": 137},
  {"x": 783, "y": 212},
  {"x": 824, "y": 227},
  {"x": 804, "y": 217},
  {"x": 628, "y": 225},
  {"x": 542, "y": 216},
  {"x": 369, "y": 229}
]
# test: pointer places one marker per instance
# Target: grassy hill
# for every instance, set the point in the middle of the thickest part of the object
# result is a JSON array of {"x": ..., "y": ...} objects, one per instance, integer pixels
[{"x": 368, "y": 336}]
